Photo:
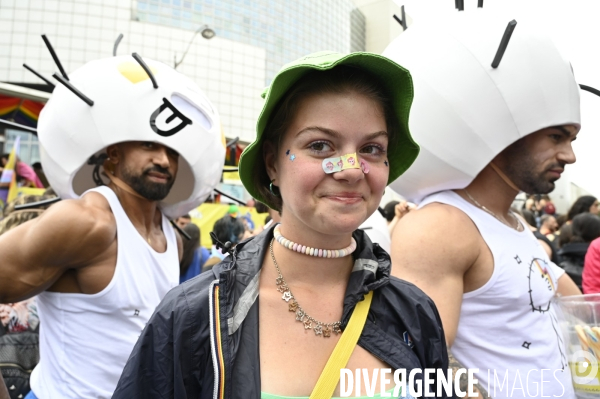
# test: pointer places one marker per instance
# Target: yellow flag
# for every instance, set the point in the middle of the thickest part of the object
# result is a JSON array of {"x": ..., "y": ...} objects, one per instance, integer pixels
[{"x": 9, "y": 175}]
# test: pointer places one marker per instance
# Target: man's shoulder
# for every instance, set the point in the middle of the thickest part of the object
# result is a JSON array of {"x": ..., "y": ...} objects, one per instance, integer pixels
[
  {"x": 433, "y": 236},
  {"x": 94, "y": 209},
  {"x": 444, "y": 211},
  {"x": 92, "y": 204},
  {"x": 87, "y": 219},
  {"x": 438, "y": 221},
  {"x": 445, "y": 204}
]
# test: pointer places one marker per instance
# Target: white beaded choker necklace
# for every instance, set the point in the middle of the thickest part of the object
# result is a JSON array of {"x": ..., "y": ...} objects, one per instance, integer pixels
[{"x": 320, "y": 253}]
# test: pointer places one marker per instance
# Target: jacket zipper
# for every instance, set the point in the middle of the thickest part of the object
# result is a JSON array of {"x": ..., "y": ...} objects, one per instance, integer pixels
[{"x": 213, "y": 342}]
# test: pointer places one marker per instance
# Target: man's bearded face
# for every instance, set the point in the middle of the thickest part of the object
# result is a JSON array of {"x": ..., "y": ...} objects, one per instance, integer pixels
[{"x": 535, "y": 162}]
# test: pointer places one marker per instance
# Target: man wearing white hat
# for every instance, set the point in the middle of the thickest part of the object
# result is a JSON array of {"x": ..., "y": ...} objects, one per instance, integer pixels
[
  {"x": 494, "y": 114},
  {"x": 103, "y": 260}
]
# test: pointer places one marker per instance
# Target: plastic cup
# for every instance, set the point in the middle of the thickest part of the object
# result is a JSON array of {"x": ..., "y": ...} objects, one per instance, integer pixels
[{"x": 579, "y": 318}]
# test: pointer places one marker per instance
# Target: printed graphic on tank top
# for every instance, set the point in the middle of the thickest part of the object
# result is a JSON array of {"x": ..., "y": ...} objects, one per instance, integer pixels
[
  {"x": 85, "y": 340},
  {"x": 508, "y": 328}
]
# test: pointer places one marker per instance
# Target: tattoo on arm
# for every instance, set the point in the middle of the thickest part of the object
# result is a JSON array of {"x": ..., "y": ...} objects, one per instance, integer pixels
[{"x": 464, "y": 386}]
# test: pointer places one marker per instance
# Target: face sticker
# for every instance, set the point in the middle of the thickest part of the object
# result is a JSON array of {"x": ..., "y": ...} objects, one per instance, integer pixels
[
  {"x": 337, "y": 164},
  {"x": 287, "y": 152},
  {"x": 292, "y": 157},
  {"x": 183, "y": 120},
  {"x": 364, "y": 166},
  {"x": 385, "y": 162}
]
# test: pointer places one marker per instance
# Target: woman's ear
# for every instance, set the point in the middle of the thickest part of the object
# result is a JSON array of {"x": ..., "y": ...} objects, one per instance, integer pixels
[{"x": 270, "y": 158}]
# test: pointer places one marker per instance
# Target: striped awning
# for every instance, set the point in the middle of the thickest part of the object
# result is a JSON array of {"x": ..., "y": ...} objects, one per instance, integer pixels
[{"x": 20, "y": 110}]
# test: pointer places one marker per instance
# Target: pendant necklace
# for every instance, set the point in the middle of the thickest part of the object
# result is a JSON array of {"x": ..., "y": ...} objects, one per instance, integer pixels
[
  {"x": 519, "y": 227},
  {"x": 320, "y": 328}
]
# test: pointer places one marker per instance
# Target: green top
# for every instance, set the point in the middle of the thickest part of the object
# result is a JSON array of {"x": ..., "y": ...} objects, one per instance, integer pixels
[{"x": 264, "y": 395}]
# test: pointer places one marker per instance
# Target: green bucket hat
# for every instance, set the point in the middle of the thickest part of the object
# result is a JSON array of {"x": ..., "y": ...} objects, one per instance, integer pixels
[{"x": 396, "y": 79}]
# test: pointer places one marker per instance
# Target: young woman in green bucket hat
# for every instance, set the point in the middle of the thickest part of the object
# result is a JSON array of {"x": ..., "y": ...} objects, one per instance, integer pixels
[{"x": 264, "y": 323}]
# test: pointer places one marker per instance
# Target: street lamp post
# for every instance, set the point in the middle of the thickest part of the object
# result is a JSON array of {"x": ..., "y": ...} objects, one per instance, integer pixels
[{"x": 206, "y": 33}]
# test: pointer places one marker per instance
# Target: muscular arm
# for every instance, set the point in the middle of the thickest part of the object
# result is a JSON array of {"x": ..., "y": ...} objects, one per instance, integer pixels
[
  {"x": 455, "y": 365},
  {"x": 546, "y": 248},
  {"x": 435, "y": 257},
  {"x": 400, "y": 210},
  {"x": 70, "y": 234},
  {"x": 566, "y": 286}
]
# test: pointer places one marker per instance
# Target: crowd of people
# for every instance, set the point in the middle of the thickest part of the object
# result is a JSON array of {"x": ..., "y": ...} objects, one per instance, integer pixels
[
  {"x": 567, "y": 237},
  {"x": 106, "y": 298}
]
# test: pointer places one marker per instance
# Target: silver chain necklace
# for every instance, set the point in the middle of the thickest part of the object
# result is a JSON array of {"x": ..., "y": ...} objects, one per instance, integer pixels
[
  {"x": 519, "y": 225},
  {"x": 323, "y": 329}
]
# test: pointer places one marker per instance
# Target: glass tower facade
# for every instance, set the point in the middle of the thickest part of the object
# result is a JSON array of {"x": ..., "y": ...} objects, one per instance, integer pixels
[
  {"x": 286, "y": 29},
  {"x": 358, "y": 31}
]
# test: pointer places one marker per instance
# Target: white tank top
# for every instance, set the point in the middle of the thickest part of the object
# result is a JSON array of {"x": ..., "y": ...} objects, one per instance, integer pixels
[
  {"x": 509, "y": 326},
  {"x": 85, "y": 340}
]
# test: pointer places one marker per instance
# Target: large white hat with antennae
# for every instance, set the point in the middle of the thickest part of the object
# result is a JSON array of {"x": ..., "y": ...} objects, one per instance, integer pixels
[
  {"x": 466, "y": 110},
  {"x": 125, "y": 98}
]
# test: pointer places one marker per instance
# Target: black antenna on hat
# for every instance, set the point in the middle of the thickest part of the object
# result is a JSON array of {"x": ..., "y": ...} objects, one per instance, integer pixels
[
  {"x": 398, "y": 20},
  {"x": 117, "y": 44},
  {"x": 145, "y": 67},
  {"x": 39, "y": 75},
  {"x": 181, "y": 231},
  {"x": 479, "y": 3},
  {"x": 64, "y": 79},
  {"x": 31, "y": 205},
  {"x": 401, "y": 21},
  {"x": 504, "y": 43},
  {"x": 55, "y": 57},
  {"x": 239, "y": 201},
  {"x": 459, "y": 4},
  {"x": 69, "y": 86},
  {"x": 590, "y": 89}
]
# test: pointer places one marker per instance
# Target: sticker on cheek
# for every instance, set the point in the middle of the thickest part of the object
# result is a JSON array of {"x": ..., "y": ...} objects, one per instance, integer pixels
[
  {"x": 292, "y": 157},
  {"x": 337, "y": 164},
  {"x": 364, "y": 166}
]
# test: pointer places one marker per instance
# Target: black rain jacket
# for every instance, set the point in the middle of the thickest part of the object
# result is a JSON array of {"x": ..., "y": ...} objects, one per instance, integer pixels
[
  {"x": 202, "y": 341},
  {"x": 573, "y": 257}
]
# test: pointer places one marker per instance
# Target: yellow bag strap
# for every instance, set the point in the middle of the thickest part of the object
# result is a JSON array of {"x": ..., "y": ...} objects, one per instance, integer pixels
[{"x": 343, "y": 350}]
